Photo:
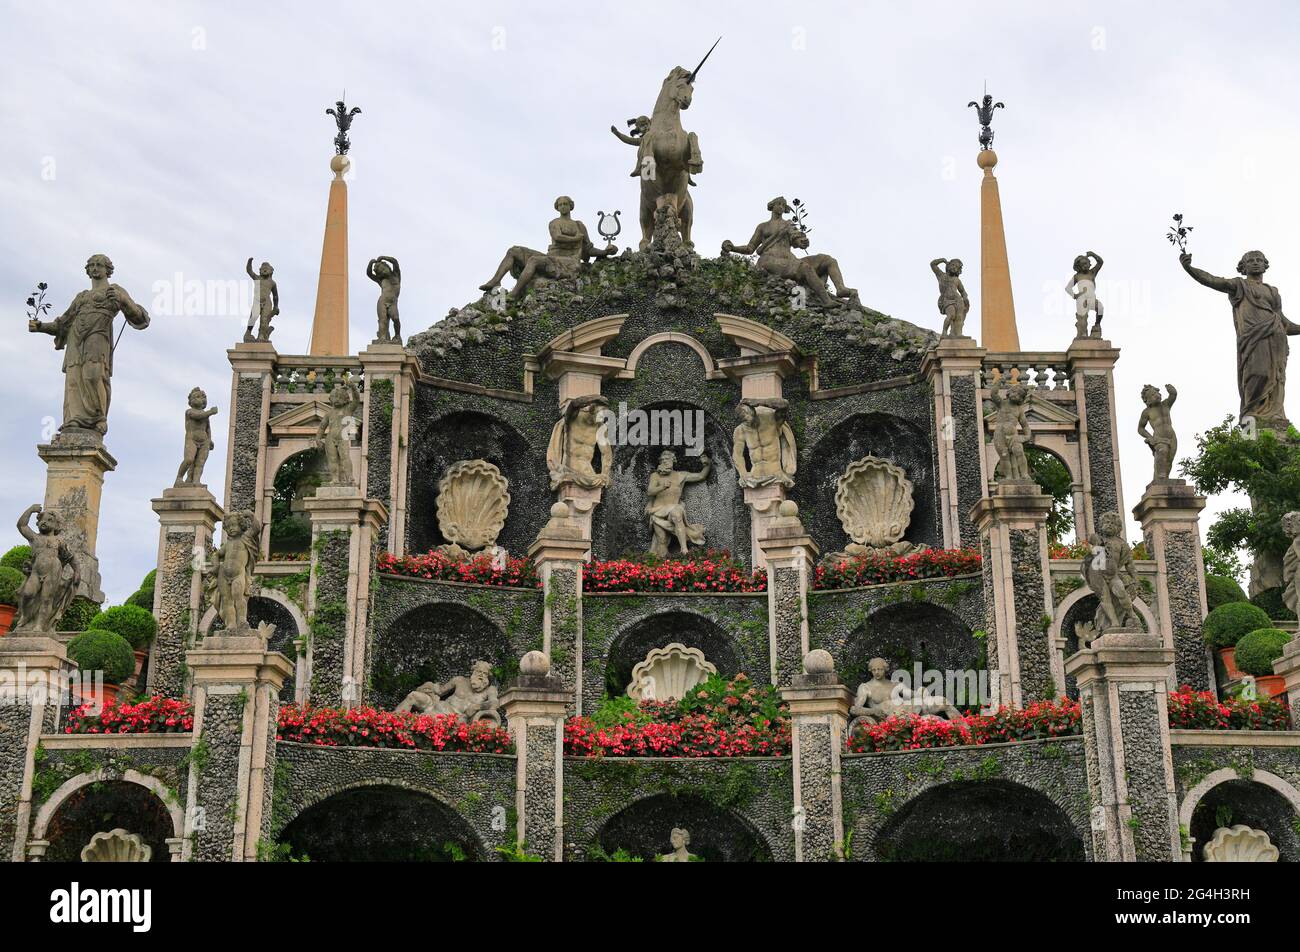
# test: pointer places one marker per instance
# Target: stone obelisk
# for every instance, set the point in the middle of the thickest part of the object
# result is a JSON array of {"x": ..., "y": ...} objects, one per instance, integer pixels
[
  {"x": 329, "y": 327},
  {"x": 997, "y": 308}
]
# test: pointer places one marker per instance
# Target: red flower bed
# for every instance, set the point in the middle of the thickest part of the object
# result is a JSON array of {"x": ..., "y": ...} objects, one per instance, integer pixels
[
  {"x": 1201, "y": 710},
  {"x": 368, "y": 727},
  {"x": 1074, "y": 550},
  {"x": 713, "y": 572},
  {"x": 1042, "y": 719},
  {"x": 874, "y": 569},
  {"x": 479, "y": 570},
  {"x": 693, "y": 735},
  {"x": 158, "y": 715}
]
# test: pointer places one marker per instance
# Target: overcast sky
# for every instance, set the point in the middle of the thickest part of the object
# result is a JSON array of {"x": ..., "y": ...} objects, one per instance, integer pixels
[{"x": 182, "y": 138}]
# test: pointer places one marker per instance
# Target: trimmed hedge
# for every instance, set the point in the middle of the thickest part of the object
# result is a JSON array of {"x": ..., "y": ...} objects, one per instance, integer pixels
[
  {"x": 1271, "y": 601},
  {"x": 11, "y": 580},
  {"x": 1225, "y": 625},
  {"x": 132, "y": 622},
  {"x": 1257, "y": 650},
  {"x": 16, "y": 557},
  {"x": 1221, "y": 590},
  {"x": 78, "y": 615},
  {"x": 101, "y": 650}
]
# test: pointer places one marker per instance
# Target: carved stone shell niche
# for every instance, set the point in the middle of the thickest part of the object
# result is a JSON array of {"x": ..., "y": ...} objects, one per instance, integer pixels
[
  {"x": 873, "y": 500},
  {"x": 116, "y": 846},
  {"x": 1240, "y": 844},
  {"x": 473, "y": 500},
  {"x": 667, "y": 673}
]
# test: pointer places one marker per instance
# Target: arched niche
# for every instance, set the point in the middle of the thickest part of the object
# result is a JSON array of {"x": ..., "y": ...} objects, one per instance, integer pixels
[
  {"x": 910, "y": 632},
  {"x": 630, "y": 646},
  {"x": 99, "y": 801},
  {"x": 1259, "y": 799},
  {"x": 1080, "y": 606},
  {"x": 718, "y": 835},
  {"x": 289, "y": 528}
]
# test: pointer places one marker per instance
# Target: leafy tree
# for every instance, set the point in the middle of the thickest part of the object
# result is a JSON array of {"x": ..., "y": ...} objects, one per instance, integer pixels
[
  {"x": 1054, "y": 478},
  {"x": 297, "y": 476}
]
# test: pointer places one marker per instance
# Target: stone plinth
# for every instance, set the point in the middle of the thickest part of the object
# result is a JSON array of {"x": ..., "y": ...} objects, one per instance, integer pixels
[
  {"x": 1169, "y": 513},
  {"x": 75, "y": 464},
  {"x": 952, "y": 367},
  {"x": 236, "y": 706},
  {"x": 559, "y": 553},
  {"x": 253, "y": 368},
  {"x": 764, "y": 504},
  {"x": 1012, "y": 523},
  {"x": 187, "y": 517},
  {"x": 1091, "y": 362},
  {"x": 819, "y": 709},
  {"x": 1124, "y": 697},
  {"x": 390, "y": 371},
  {"x": 536, "y": 706},
  {"x": 1288, "y": 666},
  {"x": 791, "y": 557}
]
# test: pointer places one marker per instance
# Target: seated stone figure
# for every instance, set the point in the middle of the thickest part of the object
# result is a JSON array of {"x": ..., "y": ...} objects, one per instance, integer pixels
[
  {"x": 880, "y": 698},
  {"x": 774, "y": 240},
  {"x": 569, "y": 250},
  {"x": 471, "y": 699}
]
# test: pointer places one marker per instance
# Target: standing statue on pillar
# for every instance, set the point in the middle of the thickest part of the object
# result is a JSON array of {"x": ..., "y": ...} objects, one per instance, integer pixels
[
  {"x": 1111, "y": 574},
  {"x": 387, "y": 273},
  {"x": 198, "y": 439},
  {"x": 1291, "y": 562},
  {"x": 228, "y": 576},
  {"x": 665, "y": 508},
  {"x": 1161, "y": 436},
  {"x": 762, "y": 446},
  {"x": 266, "y": 302},
  {"x": 52, "y": 576},
  {"x": 954, "y": 304},
  {"x": 334, "y": 434},
  {"x": 85, "y": 334},
  {"x": 1010, "y": 431},
  {"x": 1082, "y": 286}
]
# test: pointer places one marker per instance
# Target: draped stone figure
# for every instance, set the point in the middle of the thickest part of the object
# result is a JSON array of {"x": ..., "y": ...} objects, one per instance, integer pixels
[
  {"x": 762, "y": 446},
  {"x": 774, "y": 240},
  {"x": 84, "y": 333},
  {"x": 1262, "y": 331},
  {"x": 575, "y": 438}
]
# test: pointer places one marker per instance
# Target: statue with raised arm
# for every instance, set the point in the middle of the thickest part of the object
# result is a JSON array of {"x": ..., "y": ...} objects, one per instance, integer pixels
[
  {"x": 266, "y": 302},
  {"x": 228, "y": 575},
  {"x": 52, "y": 575},
  {"x": 84, "y": 333},
  {"x": 387, "y": 273},
  {"x": 198, "y": 439},
  {"x": 1156, "y": 429},
  {"x": 762, "y": 446},
  {"x": 470, "y": 699},
  {"x": 665, "y": 508},
  {"x": 336, "y": 431},
  {"x": 570, "y": 249},
  {"x": 1262, "y": 331},
  {"x": 1082, "y": 286},
  {"x": 1110, "y": 572},
  {"x": 1010, "y": 431},
  {"x": 1291, "y": 562},
  {"x": 575, "y": 439},
  {"x": 954, "y": 304},
  {"x": 774, "y": 240}
]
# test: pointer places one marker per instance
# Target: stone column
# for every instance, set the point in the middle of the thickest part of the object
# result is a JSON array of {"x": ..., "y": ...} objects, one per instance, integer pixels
[
  {"x": 1124, "y": 697},
  {"x": 390, "y": 372},
  {"x": 75, "y": 464},
  {"x": 559, "y": 553},
  {"x": 253, "y": 367},
  {"x": 1288, "y": 666},
  {"x": 345, "y": 529},
  {"x": 232, "y": 765},
  {"x": 819, "y": 710},
  {"x": 1092, "y": 364},
  {"x": 1168, "y": 513},
  {"x": 791, "y": 557},
  {"x": 536, "y": 706},
  {"x": 33, "y": 679},
  {"x": 953, "y": 369},
  {"x": 187, "y": 516},
  {"x": 1012, "y": 523}
]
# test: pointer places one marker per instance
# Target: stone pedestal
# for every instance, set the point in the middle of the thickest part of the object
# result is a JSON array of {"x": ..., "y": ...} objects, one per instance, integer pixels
[
  {"x": 75, "y": 464},
  {"x": 764, "y": 504},
  {"x": 1092, "y": 364},
  {"x": 232, "y": 768},
  {"x": 1012, "y": 523},
  {"x": 952, "y": 367},
  {"x": 582, "y": 502},
  {"x": 559, "y": 552},
  {"x": 253, "y": 366},
  {"x": 33, "y": 680},
  {"x": 536, "y": 706},
  {"x": 345, "y": 529},
  {"x": 1288, "y": 666},
  {"x": 391, "y": 371},
  {"x": 819, "y": 709},
  {"x": 791, "y": 557},
  {"x": 1168, "y": 513},
  {"x": 1124, "y": 697},
  {"x": 187, "y": 516}
]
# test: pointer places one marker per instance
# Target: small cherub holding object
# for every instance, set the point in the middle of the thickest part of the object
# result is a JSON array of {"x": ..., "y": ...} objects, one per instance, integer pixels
[
  {"x": 52, "y": 575},
  {"x": 639, "y": 127},
  {"x": 1083, "y": 288},
  {"x": 266, "y": 302},
  {"x": 954, "y": 303},
  {"x": 1161, "y": 436},
  {"x": 386, "y": 273},
  {"x": 334, "y": 435},
  {"x": 198, "y": 439}
]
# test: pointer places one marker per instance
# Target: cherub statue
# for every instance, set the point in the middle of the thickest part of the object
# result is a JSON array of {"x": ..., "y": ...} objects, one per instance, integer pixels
[
  {"x": 762, "y": 446},
  {"x": 198, "y": 440},
  {"x": 472, "y": 698},
  {"x": 665, "y": 508},
  {"x": 954, "y": 304},
  {"x": 773, "y": 241},
  {"x": 337, "y": 428},
  {"x": 266, "y": 302},
  {"x": 569, "y": 250},
  {"x": 1082, "y": 286},
  {"x": 386, "y": 273},
  {"x": 639, "y": 127},
  {"x": 1291, "y": 562},
  {"x": 881, "y": 698},
  {"x": 1010, "y": 431},
  {"x": 1161, "y": 436},
  {"x": 1109, "y": 571},
  {"x": 52, "y": 575},
  {"x": 228, "y": 575},
  {"x": 575, "y": 438},
  {"x": 679, "y": 839}
]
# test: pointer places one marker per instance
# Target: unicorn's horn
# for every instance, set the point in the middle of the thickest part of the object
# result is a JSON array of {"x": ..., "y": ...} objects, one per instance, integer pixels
[{"x": 696, "y": 71}]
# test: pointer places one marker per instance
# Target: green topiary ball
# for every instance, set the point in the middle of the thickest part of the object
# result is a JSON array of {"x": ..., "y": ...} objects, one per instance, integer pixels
[
  {"x": 141, "y": 599},
  {"x": 101, "y": 650},
  {"x": 11, "y": 580},
  {"x": 1226, "y": 624},
  {"x": 1257, "y": 650},
  {"x": 78, "y": 615},
  {"x": 1220, "y": 590},
  {"x": 17, "y": 557},
  {"x": 132, "y": 622},
  {"x": 1271, "y": 601}
]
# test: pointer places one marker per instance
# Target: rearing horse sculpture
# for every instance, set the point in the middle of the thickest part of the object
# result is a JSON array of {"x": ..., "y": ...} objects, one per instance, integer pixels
[{"x": 668, "y": 155}]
